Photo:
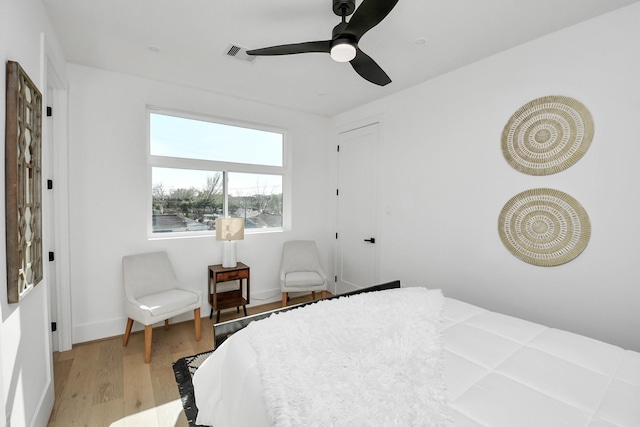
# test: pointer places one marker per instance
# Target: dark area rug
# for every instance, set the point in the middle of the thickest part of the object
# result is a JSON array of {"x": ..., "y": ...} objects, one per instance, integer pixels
[{"x": 184, "y": 369}]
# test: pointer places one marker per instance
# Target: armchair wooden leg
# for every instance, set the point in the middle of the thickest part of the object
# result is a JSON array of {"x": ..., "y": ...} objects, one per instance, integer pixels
[
  {"x": 148, "y": 331},
  {"x": 127, "y": 332},
  {"x": 284, "y": 299},
  {"x": 166, "y": 324},
  {"x": 196, "y": 320},
  {"x": 313, "y": 295},
  {"x": 324, "y": 294}
]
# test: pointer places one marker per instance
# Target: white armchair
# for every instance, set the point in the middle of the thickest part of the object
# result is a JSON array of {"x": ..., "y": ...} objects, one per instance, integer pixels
[
  {"x": 153, "y": 294},
  {"x": 300, "y": 269}
]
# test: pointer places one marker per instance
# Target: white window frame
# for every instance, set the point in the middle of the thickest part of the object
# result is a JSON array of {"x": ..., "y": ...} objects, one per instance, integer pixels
[{"x": 218, "y": 166}]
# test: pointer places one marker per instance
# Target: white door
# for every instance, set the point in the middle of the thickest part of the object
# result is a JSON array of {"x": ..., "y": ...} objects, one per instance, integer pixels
[
  {"x": 48, "y": 218},
  {"x": 55, "y": 213},
  {"x": 357, "y": 189}
]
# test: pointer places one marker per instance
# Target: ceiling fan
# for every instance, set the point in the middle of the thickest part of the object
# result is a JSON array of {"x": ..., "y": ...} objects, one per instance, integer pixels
[{"x": 343, "y": 45}]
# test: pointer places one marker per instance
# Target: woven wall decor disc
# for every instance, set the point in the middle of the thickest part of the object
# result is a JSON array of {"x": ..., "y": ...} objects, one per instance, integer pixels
[
  {"x": 547, "y": 135},
  {"x": 544, "y": 227}
]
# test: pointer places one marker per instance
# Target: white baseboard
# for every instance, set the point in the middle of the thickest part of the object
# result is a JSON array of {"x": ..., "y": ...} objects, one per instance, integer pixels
[
  {"x": 99, "y": 330},
  {"x": 266, "y": 296},
  {"x": 45, "y": 406},
  {"x": 114, "y": 327},
  {"x": 343, "y": 288}
]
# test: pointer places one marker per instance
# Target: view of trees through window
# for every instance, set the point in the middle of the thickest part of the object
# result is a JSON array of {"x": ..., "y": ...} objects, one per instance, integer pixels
[
  {"x": 191, "y": 208},
  {"x": 202, "y": 170},
  {"x": 195, "y": 206}
]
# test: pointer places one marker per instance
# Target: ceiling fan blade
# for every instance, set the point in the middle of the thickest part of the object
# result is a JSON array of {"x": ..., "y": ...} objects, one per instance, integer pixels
[
  {"x": 368, "y": 69},
  {"x": 290, "y": 49},
  {"x": 368, "y": 15}
]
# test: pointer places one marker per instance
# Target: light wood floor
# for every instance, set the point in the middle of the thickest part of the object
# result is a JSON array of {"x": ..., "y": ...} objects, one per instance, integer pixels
[{"x": 102, "y": 383}]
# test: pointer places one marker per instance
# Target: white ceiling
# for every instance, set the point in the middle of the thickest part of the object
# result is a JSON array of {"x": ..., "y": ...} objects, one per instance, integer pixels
[{"x": 193, "y": 37}]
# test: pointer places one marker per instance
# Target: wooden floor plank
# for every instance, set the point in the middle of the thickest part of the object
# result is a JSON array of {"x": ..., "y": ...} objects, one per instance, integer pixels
[
  {"x": 77, "y": 395},
  {"x": 138, "y": 391},
  {"x": 61, "y": 372},
  {"x": 108, "y": 377},
  {"x": 107, "y": 413},
  {"x": 163, "y": 380}
]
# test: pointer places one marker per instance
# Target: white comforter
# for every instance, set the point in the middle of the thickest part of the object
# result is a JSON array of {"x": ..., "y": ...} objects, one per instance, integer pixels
[{"x": 499, "y": 371}]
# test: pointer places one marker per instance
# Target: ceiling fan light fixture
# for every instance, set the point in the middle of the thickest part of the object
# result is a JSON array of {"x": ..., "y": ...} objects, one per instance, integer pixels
[
  {"x": 343, "y": 51},
  {"x": 343, "y": 44}
]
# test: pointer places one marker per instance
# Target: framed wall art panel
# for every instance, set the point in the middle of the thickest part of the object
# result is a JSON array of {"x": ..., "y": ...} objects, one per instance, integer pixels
[{"x": 23, "y": 181}]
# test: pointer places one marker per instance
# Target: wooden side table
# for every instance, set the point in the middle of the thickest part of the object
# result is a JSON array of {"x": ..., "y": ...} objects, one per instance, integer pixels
[{"x": 235, "y": 297}]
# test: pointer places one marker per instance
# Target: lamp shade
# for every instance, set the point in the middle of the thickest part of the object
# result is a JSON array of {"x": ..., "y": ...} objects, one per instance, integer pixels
[{"x": 230, "y": 229}]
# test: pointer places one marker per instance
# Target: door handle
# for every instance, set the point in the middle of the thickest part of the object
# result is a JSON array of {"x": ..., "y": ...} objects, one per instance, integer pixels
[{"x": 371, "y": 240}]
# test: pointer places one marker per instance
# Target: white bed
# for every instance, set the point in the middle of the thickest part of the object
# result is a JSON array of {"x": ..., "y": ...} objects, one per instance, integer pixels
[{"x": 497, "y": 371}]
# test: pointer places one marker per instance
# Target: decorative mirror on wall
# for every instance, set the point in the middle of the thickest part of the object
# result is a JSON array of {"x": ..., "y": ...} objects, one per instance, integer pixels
[
  {"x": 547, "y": 135},
  {"x": 544, "y": 227},
  {"x": 23, "y": 170}
]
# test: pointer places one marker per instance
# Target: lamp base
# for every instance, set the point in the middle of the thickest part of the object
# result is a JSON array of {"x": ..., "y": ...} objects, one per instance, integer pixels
[{"x": 229, "y": 254}]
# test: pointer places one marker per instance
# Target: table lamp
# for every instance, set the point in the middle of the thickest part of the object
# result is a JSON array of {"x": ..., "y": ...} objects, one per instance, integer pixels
[{"x": 229, "y": 230}]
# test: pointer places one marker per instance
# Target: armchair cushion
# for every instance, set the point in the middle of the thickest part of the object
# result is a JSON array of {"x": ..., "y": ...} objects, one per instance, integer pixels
[
  {"x": 302, "y": 279},
  {"x": 168, "y": 301}
]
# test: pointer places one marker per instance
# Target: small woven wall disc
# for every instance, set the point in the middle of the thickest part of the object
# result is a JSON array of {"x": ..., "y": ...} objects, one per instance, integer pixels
[
  {"x": 547, "y": 135},
  {"x": 544, "y": 227}
]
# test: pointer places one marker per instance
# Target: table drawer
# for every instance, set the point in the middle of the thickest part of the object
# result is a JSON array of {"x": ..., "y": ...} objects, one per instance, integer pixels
[{"x": 232, "y": 275}]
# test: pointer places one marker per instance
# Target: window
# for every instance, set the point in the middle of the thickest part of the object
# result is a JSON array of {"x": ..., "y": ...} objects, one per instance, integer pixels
[{"x": 202, "y": 169}]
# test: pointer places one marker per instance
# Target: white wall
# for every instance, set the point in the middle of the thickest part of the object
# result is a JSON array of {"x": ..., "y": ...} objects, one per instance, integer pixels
[
  {"x": 26, "y": 377},
  {"x": 444, "y": 174},
  {"x": 109, "y": 193}
]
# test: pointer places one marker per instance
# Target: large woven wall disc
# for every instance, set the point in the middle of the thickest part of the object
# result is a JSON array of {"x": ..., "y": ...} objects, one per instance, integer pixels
[
  {"x": 547, "y": 135},
  {"x": 544, "y": 227}
]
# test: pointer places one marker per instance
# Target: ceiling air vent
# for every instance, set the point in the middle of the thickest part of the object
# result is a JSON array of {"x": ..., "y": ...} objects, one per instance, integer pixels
[{"x": 240, "y": 53}]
